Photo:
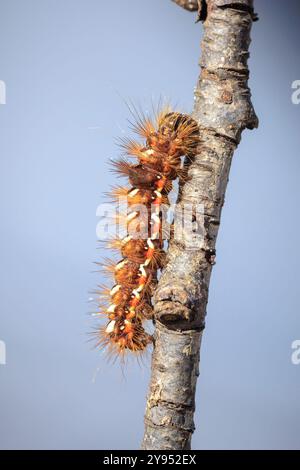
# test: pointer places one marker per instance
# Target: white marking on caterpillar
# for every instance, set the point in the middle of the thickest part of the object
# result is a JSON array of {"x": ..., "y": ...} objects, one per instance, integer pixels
[
  {"x": 126, "y": 239},
  {"x": 133, "y": 192},
  {"x": 150, "y": 243},
  {"x": 143, "y": 272},
  {"x": 110, "y": 327},
  {"x": 136, "y": 293},
  {"x": 111, "y": 308},
  {"x": 121, "y": 264},
  {"x": 149, "y": 152},
  {"x": 115, "y": 289},
  {"x": 131, "y": 216},
  {"x": 158, "y": 194}
]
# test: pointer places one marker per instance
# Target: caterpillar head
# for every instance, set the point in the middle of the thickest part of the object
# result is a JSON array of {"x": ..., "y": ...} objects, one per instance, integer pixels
[{"x": 180, "y": 133}]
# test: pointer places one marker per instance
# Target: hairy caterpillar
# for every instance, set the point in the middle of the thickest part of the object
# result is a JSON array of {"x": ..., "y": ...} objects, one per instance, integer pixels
[{"x": 167, "y": 138}]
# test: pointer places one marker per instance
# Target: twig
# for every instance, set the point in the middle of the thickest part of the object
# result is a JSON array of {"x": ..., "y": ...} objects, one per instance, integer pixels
[{"x": 190, "y": 5}]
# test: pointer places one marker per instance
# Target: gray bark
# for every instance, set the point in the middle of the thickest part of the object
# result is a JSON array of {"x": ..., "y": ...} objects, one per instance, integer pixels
[{"x": 223, "y": 110}]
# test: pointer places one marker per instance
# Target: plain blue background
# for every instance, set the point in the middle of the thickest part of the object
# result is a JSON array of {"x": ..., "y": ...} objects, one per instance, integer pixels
[{"x": 69, "y": 66}]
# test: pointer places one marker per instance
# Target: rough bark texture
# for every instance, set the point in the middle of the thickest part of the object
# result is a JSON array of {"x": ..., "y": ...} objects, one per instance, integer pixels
[{"x": 223, "y": 109}]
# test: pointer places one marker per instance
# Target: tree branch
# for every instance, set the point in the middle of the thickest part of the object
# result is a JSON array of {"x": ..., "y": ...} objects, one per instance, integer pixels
[
  {"x": 190, "y": 5},
  {"x": 222, "y": 109}
]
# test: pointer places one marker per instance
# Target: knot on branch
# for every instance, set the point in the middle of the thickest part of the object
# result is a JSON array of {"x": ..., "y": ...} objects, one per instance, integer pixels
[
  {"x": 239, "y": 5},
  {"x": 175, "y": 308}
]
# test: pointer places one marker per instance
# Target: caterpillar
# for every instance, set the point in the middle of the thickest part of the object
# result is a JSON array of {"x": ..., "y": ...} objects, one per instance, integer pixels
[{"x": 128, "y": 302}]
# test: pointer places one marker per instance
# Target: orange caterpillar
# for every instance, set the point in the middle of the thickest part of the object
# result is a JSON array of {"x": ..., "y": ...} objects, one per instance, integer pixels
[{"x": 171, "y": 136}]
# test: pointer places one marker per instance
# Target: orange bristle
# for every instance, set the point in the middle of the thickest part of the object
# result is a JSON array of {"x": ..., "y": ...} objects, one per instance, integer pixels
[
  {"x": 131, "y": 148},
  {"x": 121, "y": 167},
  {"x": 117, "y": 194}
]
